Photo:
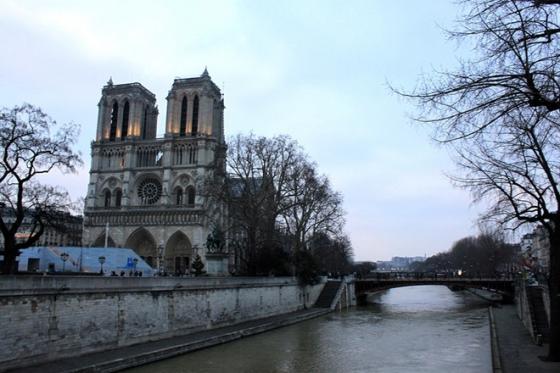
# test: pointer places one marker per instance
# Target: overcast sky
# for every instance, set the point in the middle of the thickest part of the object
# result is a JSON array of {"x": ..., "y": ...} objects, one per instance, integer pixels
[{"x": 318, "y": 71}]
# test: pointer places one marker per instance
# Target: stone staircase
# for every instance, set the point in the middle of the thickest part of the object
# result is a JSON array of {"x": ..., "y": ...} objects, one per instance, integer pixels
[
  {"x": 328, "y": 295},
  {"x": 539, "y": 318}
]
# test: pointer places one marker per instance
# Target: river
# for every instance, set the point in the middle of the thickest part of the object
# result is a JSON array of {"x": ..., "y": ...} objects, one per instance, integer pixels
[{"x": 412, "y": 329}]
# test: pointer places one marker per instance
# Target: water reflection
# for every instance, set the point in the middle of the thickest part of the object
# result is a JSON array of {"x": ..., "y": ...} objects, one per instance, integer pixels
[{"x": 414, "y": 329}]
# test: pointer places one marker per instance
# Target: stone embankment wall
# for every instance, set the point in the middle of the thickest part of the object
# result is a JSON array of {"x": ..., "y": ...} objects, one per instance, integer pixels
[
  {"x": 522, "y": 304},
  {"x": 546, "y": 300},
  {"x": 347, "y": 295},
  {"x": 44, "y": 318}
]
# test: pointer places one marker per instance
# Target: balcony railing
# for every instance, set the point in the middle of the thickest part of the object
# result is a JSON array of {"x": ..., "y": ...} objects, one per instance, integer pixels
[{"x": 139, "y": 216}]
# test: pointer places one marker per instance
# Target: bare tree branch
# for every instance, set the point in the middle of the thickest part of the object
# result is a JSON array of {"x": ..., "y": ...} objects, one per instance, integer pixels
[{"x": 32, "y": 144}]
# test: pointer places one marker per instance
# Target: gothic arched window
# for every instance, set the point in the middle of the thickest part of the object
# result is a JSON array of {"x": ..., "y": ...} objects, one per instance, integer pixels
[
  {"x": 114, "y": 117},
  {"x": 179, "y": 197},
  {"x": 194, "y": 128},
  {"x": 145, "y": 123},
  {"x": 192, "y": 154},
  {"x": 107, "y": 198},
  {"x": 190, "y": 196},
  {"x": 118, "y": 198},
  {"x": 124, "y": 126},
  {"x": 183, "y": 122}
]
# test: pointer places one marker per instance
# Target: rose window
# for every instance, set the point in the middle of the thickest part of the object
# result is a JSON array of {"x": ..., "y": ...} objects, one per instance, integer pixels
[{"x": 149, "y": 191}]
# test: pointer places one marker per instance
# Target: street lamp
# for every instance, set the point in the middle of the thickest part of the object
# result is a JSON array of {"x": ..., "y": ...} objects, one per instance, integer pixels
[
  {"x": 64, "y": 257},
  {"x": 160, "y": 258},
  {"x": 101, "y": 261}
]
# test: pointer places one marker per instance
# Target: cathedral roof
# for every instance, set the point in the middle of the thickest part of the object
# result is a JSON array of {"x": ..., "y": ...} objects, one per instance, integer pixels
[
  {"x": 202, "y": 80},
  {"x": 111, "y": 88}
]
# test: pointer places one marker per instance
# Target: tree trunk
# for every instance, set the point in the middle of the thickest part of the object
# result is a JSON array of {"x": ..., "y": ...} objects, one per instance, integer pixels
[
  {"x": 252, "y": 255},
  {"x": 9, "y": 264},
  {"x": 554, "y": 293}
]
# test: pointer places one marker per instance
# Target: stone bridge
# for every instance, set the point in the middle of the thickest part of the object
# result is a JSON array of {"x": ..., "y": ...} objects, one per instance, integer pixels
[{"x": 504, "y": 287}]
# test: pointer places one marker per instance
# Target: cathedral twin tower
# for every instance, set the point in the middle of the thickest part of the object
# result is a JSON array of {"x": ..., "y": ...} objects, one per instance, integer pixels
[{"x": 143, "y": 190}]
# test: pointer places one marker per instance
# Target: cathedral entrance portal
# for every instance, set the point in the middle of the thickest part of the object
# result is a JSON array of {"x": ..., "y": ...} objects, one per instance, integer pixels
[
  {"x": 100, "y": 241},
  {"x": 143, "y": 243},
  {"x": 178, "y": 253}
]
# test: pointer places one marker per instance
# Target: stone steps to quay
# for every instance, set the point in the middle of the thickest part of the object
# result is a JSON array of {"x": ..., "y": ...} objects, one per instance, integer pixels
[
  {"x": 538, "y": 313},
  {"x": 328, "y": 294}
]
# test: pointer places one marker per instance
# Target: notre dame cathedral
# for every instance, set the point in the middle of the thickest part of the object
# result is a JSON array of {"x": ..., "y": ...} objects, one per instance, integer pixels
[{"x": 143, "y": 191}]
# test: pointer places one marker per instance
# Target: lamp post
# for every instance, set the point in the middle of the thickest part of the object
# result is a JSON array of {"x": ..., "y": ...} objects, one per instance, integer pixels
[
  {"x": 160, "y": 258},
  {"x": 101, "y": 261},
  {"x": 64, "y": 257}
]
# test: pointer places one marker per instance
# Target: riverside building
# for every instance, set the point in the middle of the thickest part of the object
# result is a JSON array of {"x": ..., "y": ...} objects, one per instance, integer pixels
[{"x": 144, "y": 191}]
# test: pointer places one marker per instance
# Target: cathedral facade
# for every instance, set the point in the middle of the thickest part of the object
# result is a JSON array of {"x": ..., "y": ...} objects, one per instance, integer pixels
[{"x": 144, "y": 192}]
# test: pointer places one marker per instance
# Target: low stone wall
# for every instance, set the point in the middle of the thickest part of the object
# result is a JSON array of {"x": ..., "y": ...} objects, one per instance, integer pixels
[
  {"x": 522, "y": 304},
  {"x": 546, "y": 301},
  {"x": 45, "y": 318},
  {"x": 487, "y": 295}
]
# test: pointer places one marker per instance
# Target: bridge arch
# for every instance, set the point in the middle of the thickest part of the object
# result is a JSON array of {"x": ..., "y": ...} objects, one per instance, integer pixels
[{"x": 504, "y": 287}]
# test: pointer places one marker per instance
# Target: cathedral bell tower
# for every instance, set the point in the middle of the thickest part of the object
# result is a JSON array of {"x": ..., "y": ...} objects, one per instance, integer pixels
[
  {"x": 195, "y": 108},
  {"x": 126, "y": 111}
]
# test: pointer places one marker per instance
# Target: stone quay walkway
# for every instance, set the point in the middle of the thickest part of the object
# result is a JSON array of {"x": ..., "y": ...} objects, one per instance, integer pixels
[
  {"x": 143, "y": 353},
  {"x": 518, "y": 352}
]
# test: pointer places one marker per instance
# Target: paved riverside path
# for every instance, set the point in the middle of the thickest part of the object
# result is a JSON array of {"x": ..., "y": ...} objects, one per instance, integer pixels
[
  {"x": 519, "y": 354},
  {"x": 143, "y": 353}
]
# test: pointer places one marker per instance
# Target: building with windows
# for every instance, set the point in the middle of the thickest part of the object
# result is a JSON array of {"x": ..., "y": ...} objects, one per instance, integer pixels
[
  {"x": 144, "y": 192},
  {"x": 535, "y": 250},
  {"x": 64, "y": 229},
  {"x": 541, "y": 248},
  {"x": 399, "y": 263}
]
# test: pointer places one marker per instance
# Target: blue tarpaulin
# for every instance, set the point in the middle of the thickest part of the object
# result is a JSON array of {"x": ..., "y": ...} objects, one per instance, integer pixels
[{"x": 82, "y": 259}]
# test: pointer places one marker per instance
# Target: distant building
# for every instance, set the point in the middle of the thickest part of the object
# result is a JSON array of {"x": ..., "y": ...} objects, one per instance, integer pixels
[
  {"x": 526, "y": 243},
  {"x": 399, "y": 263},
  {"x": 541, "y": 249},
  {"x": 535, "y": 248},
  {"x": 69, "y": 233}
]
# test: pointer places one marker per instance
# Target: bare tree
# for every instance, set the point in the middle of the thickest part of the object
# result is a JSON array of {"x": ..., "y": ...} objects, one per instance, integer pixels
[
  {"x": 499, "y": 113},
  {"x": 482, "y": 255},
  {"x": 275, "y": 201},
  {"x": 313, "y": 206},
  {"x": 254, "y": 189},
  {"x": 32, "y": 145},
  {"x": 333, "y": 253}
]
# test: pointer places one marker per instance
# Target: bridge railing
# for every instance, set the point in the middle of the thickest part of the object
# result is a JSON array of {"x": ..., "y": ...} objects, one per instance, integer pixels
[{"x": 393, "y": 275}]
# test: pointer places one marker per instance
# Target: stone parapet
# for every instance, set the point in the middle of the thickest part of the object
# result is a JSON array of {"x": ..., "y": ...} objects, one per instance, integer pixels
[
  {"x": 30, "y": 285},
  {"x": 45, "y": 318},
  {"x": 141, "y": 217}
]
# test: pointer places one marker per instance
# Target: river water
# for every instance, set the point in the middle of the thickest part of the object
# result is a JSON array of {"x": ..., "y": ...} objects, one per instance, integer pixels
[{"x": 412, "y": 329}]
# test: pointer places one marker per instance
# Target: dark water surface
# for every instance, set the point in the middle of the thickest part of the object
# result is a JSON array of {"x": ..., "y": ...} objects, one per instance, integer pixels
[{"x": 412, "y": 329}]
